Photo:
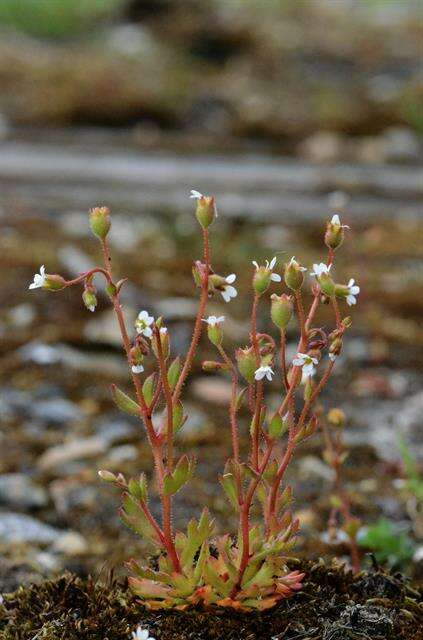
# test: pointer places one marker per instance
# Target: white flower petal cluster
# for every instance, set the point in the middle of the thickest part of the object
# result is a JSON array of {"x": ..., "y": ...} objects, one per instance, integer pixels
[
  {"x": 336, "y": 220},
  {"x": 353, "y": 291},
  {"x": 143, "y": 324},
  {"x": 137, "y": 368},
  {"x": 228, "y": 291},
  {"x": 141, "y": 634},
  {"x": 264, "y": 372},
  {"x": 39, "y": 279},
  {"x": 320, "y": 269},
  {"x": 269, "y": 266},
  {"x": 294, "y": 262},
  {"x": 307, "y": 363},
  {"x": 195, "y": 194},
  {"x": 212, "y": 321}
]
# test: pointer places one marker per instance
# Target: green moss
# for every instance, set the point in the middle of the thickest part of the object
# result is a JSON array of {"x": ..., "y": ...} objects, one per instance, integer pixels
[{"x": 73, "y": 609}]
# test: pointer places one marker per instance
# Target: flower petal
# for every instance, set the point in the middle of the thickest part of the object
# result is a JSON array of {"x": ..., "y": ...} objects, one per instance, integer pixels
[
  {"x": 230, "y": 278},
  {"x": 272, "y": 263},
  {"x": 195, "y": 194},
  {"x": 275, "y": 277}
]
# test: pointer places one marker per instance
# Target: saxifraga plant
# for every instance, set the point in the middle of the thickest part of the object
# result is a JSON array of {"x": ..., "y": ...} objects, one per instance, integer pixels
[{"x": 248, "y": 571}]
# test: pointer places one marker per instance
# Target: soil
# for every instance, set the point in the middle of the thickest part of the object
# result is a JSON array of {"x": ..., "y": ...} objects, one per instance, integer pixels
[{"x": 333, "y": 605}]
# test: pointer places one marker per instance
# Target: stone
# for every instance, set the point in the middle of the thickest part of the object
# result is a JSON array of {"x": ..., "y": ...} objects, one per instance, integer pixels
[
  {"x": 18, "y": 491},
  {"x": 18, "y": 527},
  {"x": 79, "y": 449},
  {"x": 323, "y": 146},
  {"x": 71, "y": 543},
  {"x": 213, "y": 389},
  {"x": 56, "y": 410},
  {"x": 104, "y": 328},
  {"x": 45, "y": 354}
]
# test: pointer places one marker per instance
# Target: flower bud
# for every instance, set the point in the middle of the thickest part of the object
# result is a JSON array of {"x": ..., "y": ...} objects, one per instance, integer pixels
[
  {"x": 211, "y": 366},
  {"x": 327, "y": 285},
  {"x": 89, "y": 298},
  {"x": 107, "y": 476},
  {"x": 215, "y": 334},
  {"x": 341, "y": 290},
  {"x": 334, "y": 235},
  {"x": 206, "y": 211},
  {"x": 53, "y": 282},
  {"x": 261, "y": 280},
  {"x": 335, "y": 348},
  {"x": 281, "y": 309},
  {"x": 246, "y": 361},
  {"x": 164, "y": 341},
  {"x": 336, "y": 417},
  {"x": 136, "y": 357},
  {"x": 294, "y": 276},
  {"x": 100, "y": 221}
]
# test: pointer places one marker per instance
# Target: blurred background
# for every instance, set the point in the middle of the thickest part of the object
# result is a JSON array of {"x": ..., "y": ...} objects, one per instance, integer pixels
[{"x": 287, "y": 111}]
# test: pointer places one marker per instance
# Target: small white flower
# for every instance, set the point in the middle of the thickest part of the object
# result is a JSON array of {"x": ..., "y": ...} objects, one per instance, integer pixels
[
  {"x": 269, "y": 267},
  {"x": 141, "y": 634},
  {"x": 293, "y": 261},
  {"x": 336, "y": 220},
  {"x": 163, "y": 331},
  {"x": 195, "y": 194},
  {"x": 39, "y": 279},
  {"x": 307, "y": 363},
  {"x": 332, "y": 357},
  {"x": 142, "y": 324},
  {"x": 353, "y": 291},
  {"x": 212, "y": 321},
  {"x": 91, "y": 307},
  {"x": 228, "y": 291},
  {"x": 320, "y": 269},
  {"x": 262, "y": 372},
  {"x": 137, "y": 368}
]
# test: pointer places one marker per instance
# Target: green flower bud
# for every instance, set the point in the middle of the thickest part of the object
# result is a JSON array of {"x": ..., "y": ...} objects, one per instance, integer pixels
[
  {"x": 164, "y": 341},
  {"x": 89, "y": 298},
  {"x": 336, "y": 417},
  {"x": 294, "y": 276},
  {"x": 206, "y": 211},
  {"x": 334, "y": 235},
  {"x": 100, "y": 221},
  {"x": 261, "y": 280},
  {"x": 214, "y": 329},
  {"x": 107, "y": 476},
  {"x": 246, "y": 361},
  {"x": 281, "y": 310},
  {"x": 54, "y": 282}
]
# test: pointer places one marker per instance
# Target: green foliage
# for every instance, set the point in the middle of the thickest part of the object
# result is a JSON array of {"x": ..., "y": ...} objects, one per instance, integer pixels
[
  {"x": 212, "y": 578},
  {"x": 55, "y": 18},
  {"x": 387, "y": 543}
]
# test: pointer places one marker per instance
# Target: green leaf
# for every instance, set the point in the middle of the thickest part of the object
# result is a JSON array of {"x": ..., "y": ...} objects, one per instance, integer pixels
[
  {"x": 180, "y": 476},
  {"x": 178, "y": 416},
  {"x": 229, "y": 485},
  {"x": 133, "y": 516},
  {"x": 277, "y": 426},
  {"x": 124, "y": 402},
  {"x": 138, "y": 488},
  {"x": 174, "y": 372},
  {"x": 240, "y": 397},
  {"x": 148, "y": 388}
]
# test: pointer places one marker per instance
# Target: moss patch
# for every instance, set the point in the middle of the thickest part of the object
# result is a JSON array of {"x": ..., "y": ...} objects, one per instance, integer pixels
[{"x": 334, "y": 605}]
